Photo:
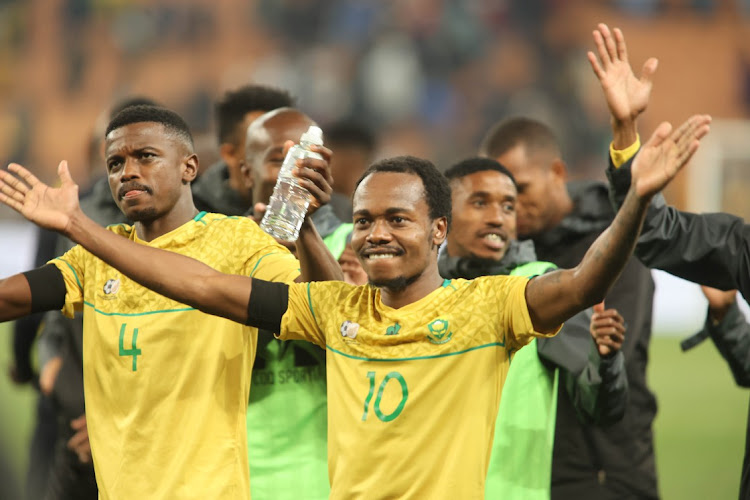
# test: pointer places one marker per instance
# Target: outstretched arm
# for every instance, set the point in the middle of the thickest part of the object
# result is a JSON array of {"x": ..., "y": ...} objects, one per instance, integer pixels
[
  {"x": 172, "y": 275},
  {"x": 554, "y": 297},
  {"x": 15, "y": 298}
]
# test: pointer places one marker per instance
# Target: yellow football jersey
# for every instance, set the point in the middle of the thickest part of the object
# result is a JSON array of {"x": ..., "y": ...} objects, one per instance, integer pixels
[
  {"x": 166, "y": 386},
  {"x": 412, "y": 392}
]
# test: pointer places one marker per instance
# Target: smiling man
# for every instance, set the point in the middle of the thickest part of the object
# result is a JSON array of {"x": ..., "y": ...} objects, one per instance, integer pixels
[
  {"x": 166, "y": 386},
  {"x": 584, "y": 360},
  {"x": 415, "y": 363}
]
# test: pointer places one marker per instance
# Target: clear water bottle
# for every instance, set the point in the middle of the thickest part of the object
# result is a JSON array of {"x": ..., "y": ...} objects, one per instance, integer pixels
[{"x": 288, "y": 205}]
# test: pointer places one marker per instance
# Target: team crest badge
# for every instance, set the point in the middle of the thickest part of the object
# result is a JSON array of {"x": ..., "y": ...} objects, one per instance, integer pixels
[
  {"x": 439, "y": 332},
  {"x": 111, "y": 287},
  {"x": 349, "y": 329}
]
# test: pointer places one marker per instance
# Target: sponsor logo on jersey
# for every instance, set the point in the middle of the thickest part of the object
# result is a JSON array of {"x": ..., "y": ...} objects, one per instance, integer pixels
[
  {"x": 349, "y": 329},
  {"x": 439, "y": 332},
  {"x": 393, "y": 329}
]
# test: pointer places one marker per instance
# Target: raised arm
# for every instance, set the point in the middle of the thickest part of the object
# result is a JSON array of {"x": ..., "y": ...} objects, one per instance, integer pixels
[
  {"x": 555, "y": 297},
  {"x": 172, "y": 275},
  {"x": 316, "y": 261},
  {"x": 711, "y": 249},
  {"x": 626, "y": 94}
]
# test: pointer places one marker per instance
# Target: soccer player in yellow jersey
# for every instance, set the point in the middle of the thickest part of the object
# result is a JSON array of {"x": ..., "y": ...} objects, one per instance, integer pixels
[
  {"x": 415, "y": 363},
  {"x": 166, "y": 386}
]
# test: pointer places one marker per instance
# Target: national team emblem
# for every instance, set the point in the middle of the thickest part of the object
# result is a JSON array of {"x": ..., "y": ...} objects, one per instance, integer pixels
[
  {"x": 111, "y": 287},
  {"x": 439, "y": 332},
  {"x": 393, "y": 329},
  {"x": 349, "y": 329}
]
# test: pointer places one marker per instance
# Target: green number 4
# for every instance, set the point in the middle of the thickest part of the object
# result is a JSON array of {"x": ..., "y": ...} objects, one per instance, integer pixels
[
  {"x": 133, "y": 351},
  {"x": 404, "y": 396}
]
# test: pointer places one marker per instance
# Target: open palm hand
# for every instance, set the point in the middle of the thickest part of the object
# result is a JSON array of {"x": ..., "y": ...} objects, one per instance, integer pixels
[
  {"x": 51, "y": 208},
  {"x": 665, "y": 153},
  {"x": 627, "y": 95}
]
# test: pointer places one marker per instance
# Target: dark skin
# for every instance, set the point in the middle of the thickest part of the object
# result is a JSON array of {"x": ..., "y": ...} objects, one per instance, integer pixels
[
  {"x": 484, "y": 223},
  {"x": 266, "y": 144},
  {"x": 484, "y": 215},
  {"x": 551, "y": 298},
  {"x": 268, "y": 139},
  {"x": 150, "y": 169},
  {"x": 394, "y": 237}
]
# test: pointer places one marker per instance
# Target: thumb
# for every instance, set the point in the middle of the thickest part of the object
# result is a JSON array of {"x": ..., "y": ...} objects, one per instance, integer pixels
[
  {"x": 598, "y": 308},
  {"x": 64, "y": 173},
  {"x": 649, "y": 69},
  {"x": 659, "y": 135},
  {"x": 287, "y": 146}
]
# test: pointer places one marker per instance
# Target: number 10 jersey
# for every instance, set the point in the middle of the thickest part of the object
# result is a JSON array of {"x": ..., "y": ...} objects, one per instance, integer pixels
[{"x": 412, "y": 392}]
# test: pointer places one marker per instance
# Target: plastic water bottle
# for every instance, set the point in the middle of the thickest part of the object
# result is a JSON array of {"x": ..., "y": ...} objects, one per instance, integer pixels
[{"x": 288, "y": 205}]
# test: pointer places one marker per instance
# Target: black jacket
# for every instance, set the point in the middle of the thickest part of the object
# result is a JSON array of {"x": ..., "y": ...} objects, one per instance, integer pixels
[
  {"x": 710, "y": 249},
  {"x": 615, "y": 461},
  {"x": 211, "y": 192}
]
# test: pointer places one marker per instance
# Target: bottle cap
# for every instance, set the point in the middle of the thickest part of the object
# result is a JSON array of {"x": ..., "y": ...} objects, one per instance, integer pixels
[{"x": 313, "y": 135}]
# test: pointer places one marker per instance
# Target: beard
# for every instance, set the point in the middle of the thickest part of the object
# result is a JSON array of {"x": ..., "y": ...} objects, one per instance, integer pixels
[
  {"x": 143, "y": 215},
  {"x": 398, "y": 284}
]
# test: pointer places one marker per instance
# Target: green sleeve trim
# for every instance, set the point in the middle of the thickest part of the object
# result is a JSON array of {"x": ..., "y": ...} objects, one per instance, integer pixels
[
  {"x": 336, "y": 241},
  {"x": 417, "y": 358},
  {"x": 309, "y": 302},
  {"x": 199, "y": 217},
  {"x": 73, "y": 270},
  {"x": 531, "y": 269}
]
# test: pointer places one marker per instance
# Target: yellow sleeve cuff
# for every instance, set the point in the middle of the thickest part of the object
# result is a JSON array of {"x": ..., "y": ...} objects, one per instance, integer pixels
[{"x": 620, "y": 156}]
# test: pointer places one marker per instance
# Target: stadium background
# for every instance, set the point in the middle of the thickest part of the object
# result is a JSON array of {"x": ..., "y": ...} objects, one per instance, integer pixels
[{"x": 429, "y": 76}]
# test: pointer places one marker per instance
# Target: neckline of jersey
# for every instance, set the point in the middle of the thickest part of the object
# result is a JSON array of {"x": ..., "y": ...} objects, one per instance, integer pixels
[
  {"x": 417, "y": 304},
  {"x": 170, "y": 234}
]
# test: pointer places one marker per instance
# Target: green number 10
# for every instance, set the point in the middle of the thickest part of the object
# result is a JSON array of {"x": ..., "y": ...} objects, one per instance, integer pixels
[{"x": 404, "y": 396}]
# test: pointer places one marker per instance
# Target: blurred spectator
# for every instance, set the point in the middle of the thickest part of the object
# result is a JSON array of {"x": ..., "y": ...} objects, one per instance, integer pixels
[
  {"x": 353, "y": 146},
  {"x": 221, "y": 188}
]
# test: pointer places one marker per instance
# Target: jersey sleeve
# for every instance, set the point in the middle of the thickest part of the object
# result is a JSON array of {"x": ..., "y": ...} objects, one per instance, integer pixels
[
  {"x": 267, "y": 259},
  {"x": 72, "y": 267},
  {"x": 300, "y": 322},
  {"x": 514, "y": 313}
]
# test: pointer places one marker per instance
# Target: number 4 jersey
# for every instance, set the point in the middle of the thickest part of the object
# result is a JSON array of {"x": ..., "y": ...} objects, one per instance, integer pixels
[
  {"x": 412, "y": 392},
  {"x": 166, "y": 386}
]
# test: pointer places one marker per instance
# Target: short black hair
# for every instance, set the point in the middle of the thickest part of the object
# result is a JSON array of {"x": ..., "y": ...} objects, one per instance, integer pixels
[
  {"x": 235, "y": 104},
  {"x": 351, "y": 133},
  {"x": 436, "y": 188},
  {"x": 136, "y": 100},
  {"x": 507, "y": 134},
  {"x": 156, "y": 114},
  {"x": 477, "y": 164}
]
